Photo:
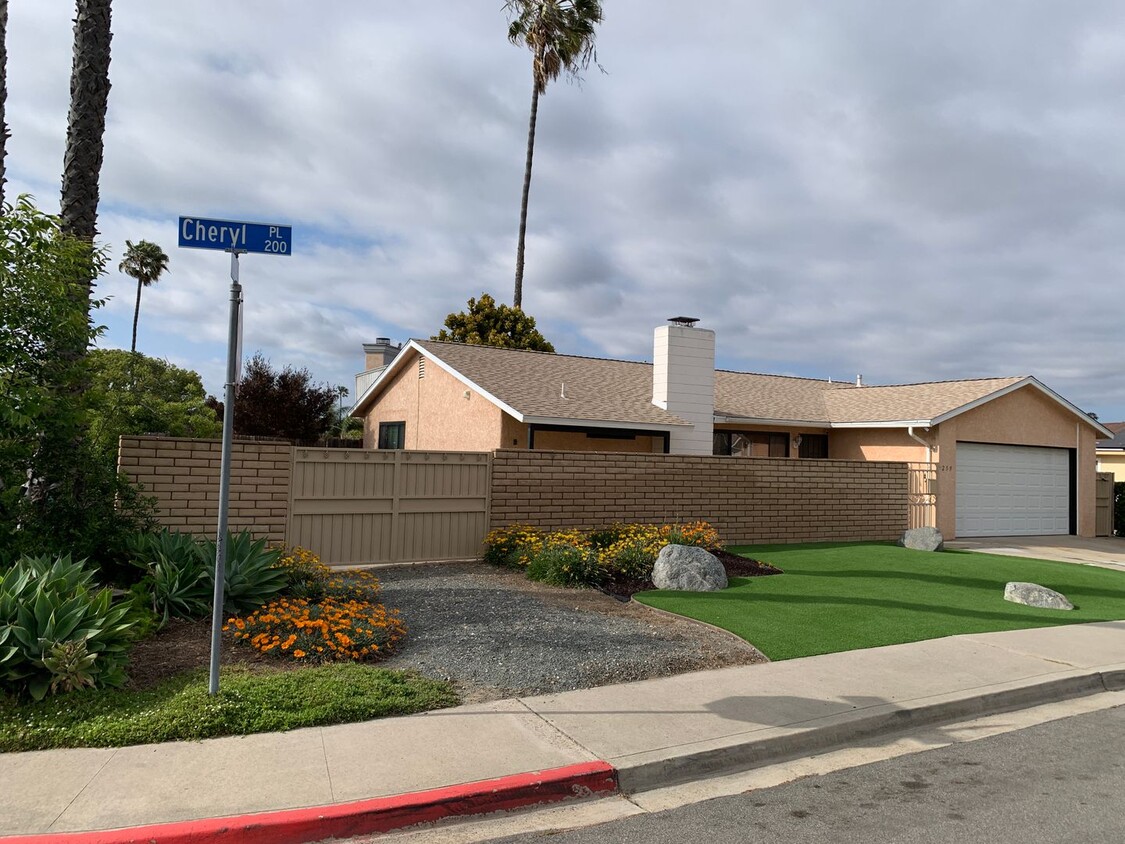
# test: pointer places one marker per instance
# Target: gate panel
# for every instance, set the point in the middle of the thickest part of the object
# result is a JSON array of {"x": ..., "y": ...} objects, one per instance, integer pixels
[{"x": 354, "y": 506}]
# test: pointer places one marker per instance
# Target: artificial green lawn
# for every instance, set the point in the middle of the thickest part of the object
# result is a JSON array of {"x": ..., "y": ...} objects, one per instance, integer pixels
[
  {"x": 843, "y": 596},
  {"x": 180, "y": 708}
]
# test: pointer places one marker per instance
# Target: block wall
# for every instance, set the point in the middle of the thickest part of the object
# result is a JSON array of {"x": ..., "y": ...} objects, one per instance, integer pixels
[
  {"x": 183, "y": 476},
  {"x": 747, "y": 499}
]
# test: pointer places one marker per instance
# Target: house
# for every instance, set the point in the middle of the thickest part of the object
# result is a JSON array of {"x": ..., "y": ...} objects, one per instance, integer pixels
[
  {"x": 1009, "y": 455},
  {"x": 1111, "y": 452}
]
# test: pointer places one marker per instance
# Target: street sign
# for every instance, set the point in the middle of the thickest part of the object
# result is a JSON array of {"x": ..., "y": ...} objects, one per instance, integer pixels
[{"x": 235, "y": 236}]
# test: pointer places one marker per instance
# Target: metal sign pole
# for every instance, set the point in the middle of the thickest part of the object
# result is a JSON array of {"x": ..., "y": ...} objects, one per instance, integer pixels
[{"x": 224, "y": 476}]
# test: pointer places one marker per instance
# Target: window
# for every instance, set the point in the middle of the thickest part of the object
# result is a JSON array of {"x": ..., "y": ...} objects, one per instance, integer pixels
[
  {"x": 751, "y": 443},
  {"x": 813, "y": 445},
  {"x": 392, "y": 434}
]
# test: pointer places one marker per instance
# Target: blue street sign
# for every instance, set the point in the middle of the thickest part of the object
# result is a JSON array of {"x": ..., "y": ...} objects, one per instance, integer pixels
[{"x": 228, "y": 235}]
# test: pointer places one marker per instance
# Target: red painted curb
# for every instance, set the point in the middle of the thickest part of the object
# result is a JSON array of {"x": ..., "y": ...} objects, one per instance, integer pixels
[{"x": 379, "y": 814}]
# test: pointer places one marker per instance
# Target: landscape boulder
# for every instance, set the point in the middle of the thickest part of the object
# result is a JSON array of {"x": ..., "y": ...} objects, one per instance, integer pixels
[
  {"x": 686, "y": 568},
  {"x": 922, "y": 539},
  {"x": 1034, "y": 595}
]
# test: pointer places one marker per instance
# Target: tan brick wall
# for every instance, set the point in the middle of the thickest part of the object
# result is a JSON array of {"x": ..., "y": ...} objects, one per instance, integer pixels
[
  {"x": 183, "y": 476},
  {"x": 747, "y": 499}
]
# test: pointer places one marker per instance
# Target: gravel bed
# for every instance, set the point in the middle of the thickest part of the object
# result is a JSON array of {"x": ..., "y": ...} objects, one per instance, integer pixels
[{"x": 496, "y": 634}]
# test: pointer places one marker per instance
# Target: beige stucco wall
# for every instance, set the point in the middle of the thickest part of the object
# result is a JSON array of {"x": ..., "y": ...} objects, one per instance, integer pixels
[
  {"x": 1112, "y": 461},
  {"x": 1025, "y": 417},
  {"x": 876, "y": 444},
  {"x": 575, "y": 441},
  {"x": 437, "y": 414}
]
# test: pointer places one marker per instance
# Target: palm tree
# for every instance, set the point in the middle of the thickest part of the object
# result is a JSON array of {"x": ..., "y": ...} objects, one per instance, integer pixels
[
  {"x": 89, "y": 98},
  {"x": 4, "y": 135},
  {"x": 560, "y": 35},
  {"x": 146, "y": 262}
]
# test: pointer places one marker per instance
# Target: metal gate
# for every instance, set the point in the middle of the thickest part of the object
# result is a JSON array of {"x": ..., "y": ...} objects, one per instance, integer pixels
[
  {"x": 354, "y": 506},
  {"x": 1104, "y": 521}
]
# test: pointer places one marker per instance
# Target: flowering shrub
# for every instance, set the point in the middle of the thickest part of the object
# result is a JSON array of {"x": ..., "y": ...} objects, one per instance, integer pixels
[
  {"x": 513, "y": 546},
  {"x": 328, "y": 615},
  {"x": 571, "y": 557}
]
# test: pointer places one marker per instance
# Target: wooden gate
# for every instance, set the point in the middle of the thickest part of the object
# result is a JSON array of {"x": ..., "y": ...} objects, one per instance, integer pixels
[
  {"x": 354, "y": 506},
  {"x": 1104, "y": 521},
  {"x": 922, "y": 495}
]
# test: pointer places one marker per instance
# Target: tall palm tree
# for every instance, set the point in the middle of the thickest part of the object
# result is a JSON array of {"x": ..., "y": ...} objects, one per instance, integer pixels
[
  {"x": 89, "y": 98},
  {"x": 4, "y": 135},
  {"x": 146, "y": 262},
  {"x": 560, "y": 35}
]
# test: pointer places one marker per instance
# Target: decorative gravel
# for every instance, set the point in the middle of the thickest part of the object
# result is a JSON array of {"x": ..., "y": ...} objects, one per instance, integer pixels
[{"x": 496, "y": 634}]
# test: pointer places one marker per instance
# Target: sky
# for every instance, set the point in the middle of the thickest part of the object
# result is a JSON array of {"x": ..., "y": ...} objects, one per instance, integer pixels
[{"x": 910, "y": 190}]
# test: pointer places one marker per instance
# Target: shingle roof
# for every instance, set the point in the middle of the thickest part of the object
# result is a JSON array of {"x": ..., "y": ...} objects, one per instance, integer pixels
[
  {"x": 1118, "y": 439},
  {"x": 597, "y": 390}
]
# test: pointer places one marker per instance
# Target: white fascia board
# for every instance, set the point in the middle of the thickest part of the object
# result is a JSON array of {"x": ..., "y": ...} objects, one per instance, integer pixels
[
  {"x": 721, "y": 419},
  {"x": 400, "y": 361},
  {"x": 1029, "y": 381},
  {"x": 900, "y": 423},
  {"x": 571, "y": 421}
]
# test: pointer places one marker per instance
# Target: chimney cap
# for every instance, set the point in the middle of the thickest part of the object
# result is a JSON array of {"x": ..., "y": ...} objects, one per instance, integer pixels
[{"x": 685, "y": 321}]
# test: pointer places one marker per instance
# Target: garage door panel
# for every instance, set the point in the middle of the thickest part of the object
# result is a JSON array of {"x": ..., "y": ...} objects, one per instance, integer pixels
[{"x": 1005, "y": 490}]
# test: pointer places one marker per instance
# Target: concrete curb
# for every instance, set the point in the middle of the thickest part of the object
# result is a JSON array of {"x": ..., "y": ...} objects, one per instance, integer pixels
[
  {"x": 343, "y": 820},
  {"x": 846, "y": 731}
]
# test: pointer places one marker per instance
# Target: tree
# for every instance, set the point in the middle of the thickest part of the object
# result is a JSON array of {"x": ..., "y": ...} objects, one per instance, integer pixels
[
  {"x": 284, "y": 404},
  {"x": 130, "y": 393},
  {"x": 4, "y": 134},
  {"x": 560, "y": 35},
  {"x": 57, "y": 493},
  {"x": 484, "y": 323},
  {"x": 85, "y": 131},
  {"x": 146, "y": 262}
]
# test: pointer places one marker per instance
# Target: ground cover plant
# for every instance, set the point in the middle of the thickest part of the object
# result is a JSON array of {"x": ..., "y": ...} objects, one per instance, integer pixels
[
  {"x": 180, "y": 709},
  {"x": 843, "y": 596}
]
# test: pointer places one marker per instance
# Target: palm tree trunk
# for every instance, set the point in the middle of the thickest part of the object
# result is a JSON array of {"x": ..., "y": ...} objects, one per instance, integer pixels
[
  {"x": 136, "y": 317},
  {"x": 3, "y": 93},
  {"x": 89, "y": 98},
  {"x": 517, "y": 299}
]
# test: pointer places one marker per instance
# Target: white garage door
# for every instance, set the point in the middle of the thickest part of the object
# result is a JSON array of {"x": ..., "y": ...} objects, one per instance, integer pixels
[{"x": 1012, "y": 490}]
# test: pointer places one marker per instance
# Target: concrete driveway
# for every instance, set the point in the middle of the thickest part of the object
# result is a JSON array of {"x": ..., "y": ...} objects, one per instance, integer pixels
[{"x": 1103, "y": 551}]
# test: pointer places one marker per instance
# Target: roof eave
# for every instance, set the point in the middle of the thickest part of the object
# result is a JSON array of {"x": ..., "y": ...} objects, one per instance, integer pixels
[{"x": 606, "y": 423}]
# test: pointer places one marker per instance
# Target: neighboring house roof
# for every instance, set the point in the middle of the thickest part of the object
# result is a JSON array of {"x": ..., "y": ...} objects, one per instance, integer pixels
[
  {"x": 546, "y": 388},
  {"x": 1117, "y": 442}
]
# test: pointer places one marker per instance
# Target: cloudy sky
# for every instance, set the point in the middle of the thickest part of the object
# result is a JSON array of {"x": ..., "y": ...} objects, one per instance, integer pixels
[{"x": 912, "y": 190}]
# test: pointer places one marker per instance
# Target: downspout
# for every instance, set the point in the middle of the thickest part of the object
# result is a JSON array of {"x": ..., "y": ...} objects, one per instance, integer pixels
[
  {"x": 1077, "y": 478},
  {"x": 929, "y": 448}
]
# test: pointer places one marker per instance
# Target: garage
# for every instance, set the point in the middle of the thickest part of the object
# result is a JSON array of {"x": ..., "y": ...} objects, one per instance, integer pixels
[{"x": 1013, "y": 490}]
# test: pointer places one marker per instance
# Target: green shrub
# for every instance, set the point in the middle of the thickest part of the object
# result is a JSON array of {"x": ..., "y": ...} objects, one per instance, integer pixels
[
  {"x": 633, "y": 561},
  {"x": 59, "y": 632},
  {"x": 561, "y": 564}
]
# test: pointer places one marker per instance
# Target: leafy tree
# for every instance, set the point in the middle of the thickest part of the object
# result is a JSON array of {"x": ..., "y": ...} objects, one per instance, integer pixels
[
  {"x": 146, "y": 262},
  {"x": 4, "y": 134},
  {"x": 484, "y": 323},
  {"x": 284, "y": 404},
  {"x": 57, "y": 494},
  {"x": 560, "y": 35},
  {"x": 130, "y": 393}
]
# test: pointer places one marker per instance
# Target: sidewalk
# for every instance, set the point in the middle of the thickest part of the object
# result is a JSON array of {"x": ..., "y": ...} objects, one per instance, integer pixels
[{"x": 515, "y": 752}]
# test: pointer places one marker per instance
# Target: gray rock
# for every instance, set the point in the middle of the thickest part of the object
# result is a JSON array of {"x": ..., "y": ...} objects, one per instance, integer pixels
[
  {"x": 688, "y": 569},
  {"x": 923, "y": 539},
  {"x": 1034, "y": 595}
]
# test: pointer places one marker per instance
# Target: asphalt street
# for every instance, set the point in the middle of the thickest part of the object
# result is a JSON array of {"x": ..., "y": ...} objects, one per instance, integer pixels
[{"x": 1063, "y": 781}]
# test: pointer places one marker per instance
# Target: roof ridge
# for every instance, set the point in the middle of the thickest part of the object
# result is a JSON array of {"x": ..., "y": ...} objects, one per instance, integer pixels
[
  {"x": 949, "y": 381},
  {"x": 825, "y": 381},
  {"x": 528, "y": 351}
]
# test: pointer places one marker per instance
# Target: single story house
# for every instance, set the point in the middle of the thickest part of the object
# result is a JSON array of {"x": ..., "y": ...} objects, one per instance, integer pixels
[
  {"x": 1111, "y": 452},
  {"x": 1010, "y": 456}
]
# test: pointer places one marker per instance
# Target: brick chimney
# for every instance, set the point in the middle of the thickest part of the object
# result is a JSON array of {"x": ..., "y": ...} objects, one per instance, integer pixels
[{"x": 683, "y": 382}]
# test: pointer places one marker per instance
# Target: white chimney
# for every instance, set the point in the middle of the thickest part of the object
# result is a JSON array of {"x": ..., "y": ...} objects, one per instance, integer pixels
[{"x": 683, "y": 382}]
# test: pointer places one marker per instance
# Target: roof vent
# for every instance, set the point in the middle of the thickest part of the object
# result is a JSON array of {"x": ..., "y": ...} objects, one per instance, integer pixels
[
  {"x": 684, "y": 321},
  {"x": 859, "y": 380}
]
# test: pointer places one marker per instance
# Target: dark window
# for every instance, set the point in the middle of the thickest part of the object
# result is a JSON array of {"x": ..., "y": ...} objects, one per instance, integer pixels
[
  {"x": 813, "y": 445},
  {"x": 751, "y": 443},
  {"x": 392, "y": 434}
]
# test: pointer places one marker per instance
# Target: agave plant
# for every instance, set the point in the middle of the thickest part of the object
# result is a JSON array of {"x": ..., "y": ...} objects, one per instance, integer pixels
[
  {"x": 58, "y": 632},
  {"x": 252, "y": 575}
]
